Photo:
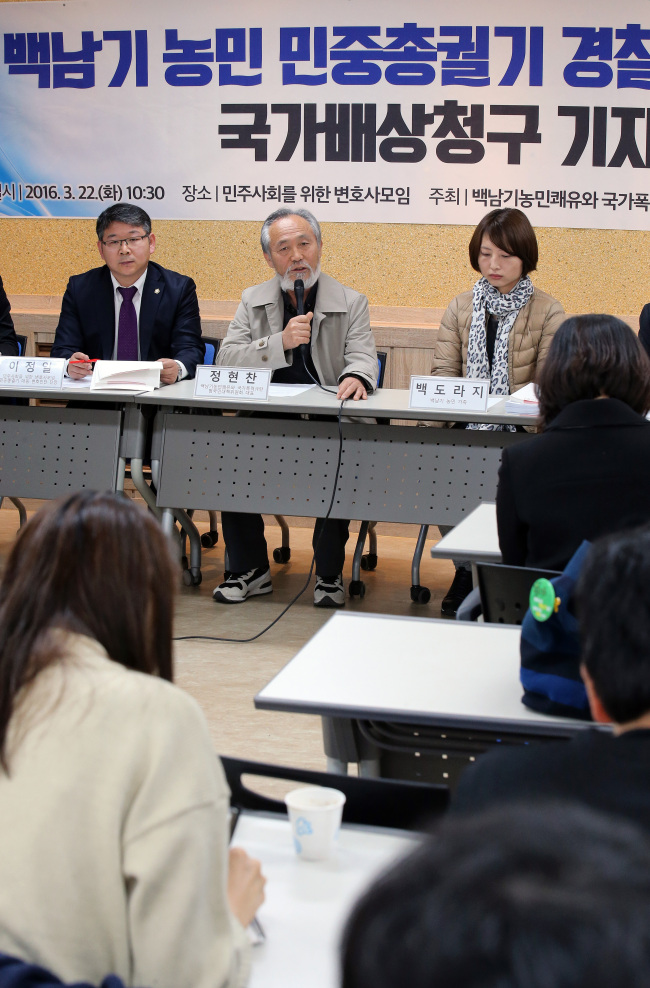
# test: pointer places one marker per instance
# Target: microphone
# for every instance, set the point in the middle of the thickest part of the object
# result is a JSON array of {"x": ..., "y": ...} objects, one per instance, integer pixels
[{"x": 299, "y": 292}]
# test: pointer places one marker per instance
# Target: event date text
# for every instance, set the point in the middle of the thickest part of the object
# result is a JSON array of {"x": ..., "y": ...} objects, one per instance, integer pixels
[{"x": 102, "y": 193}]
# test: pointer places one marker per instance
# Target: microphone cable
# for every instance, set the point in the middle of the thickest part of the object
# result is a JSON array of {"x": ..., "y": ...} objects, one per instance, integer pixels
[{"x": 299, "y": 289}]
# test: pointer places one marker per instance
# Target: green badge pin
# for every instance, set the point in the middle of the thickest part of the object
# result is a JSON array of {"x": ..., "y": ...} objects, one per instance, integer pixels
[{"x": 543, "y": 601}]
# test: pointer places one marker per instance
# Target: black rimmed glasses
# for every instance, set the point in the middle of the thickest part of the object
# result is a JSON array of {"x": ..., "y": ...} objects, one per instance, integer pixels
[{"x": 131, "y": 242}]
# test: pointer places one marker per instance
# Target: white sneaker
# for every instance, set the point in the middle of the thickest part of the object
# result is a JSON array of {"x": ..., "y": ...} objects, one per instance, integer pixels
[
  {"x": 237, "y": 587},
  {"x": 328, "y": 593}
]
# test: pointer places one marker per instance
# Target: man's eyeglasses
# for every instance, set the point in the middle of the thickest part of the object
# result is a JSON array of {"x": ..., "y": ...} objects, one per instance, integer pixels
[{"x": 130, "y": 242}]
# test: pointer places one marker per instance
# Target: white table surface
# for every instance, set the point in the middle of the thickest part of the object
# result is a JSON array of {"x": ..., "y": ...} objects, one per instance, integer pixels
[
  {"x": 474, "y": 539},
  {"x": 307, "y": 902},
  {"x": 384, "y": 403},
  {"x": 414, "y": 670}
]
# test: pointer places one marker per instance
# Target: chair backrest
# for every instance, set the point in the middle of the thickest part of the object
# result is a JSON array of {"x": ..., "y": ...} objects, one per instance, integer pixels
[
  {"x": 505, "y": 590},
  {"x": 22, "y": 344},
  {"x": 382, "y": 357},
  {"x": 373, "y": 802},
  {"x": 212, "y": 344}
]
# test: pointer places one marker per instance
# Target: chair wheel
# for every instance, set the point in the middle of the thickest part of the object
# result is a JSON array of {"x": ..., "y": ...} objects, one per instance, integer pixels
[
  {"x": 282, "y": 554},
  {"x": 420, "y": 595},
  {"x": 369, "y": 561},
  {"x": 192, "y": 577},
  {"x": 357, "y": 588},
  {"x": 210, "y": 539},
  {"x": 184, "y": 563}
]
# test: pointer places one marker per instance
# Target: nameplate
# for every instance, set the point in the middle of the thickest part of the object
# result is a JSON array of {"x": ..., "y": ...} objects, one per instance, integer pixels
[
  {"x": 236, "y": 383},
  {"x": 449, "y": 394},
  {"x": 32, "y": 372}
]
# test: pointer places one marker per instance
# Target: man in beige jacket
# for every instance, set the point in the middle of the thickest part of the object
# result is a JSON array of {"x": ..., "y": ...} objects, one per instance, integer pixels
[{"x": 330, "y": 342}]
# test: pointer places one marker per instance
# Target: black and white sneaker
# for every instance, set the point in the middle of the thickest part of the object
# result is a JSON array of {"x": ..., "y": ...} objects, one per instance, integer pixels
[
  {"x": 238, "y": 587},
  {"x": 329, "y": 591}
]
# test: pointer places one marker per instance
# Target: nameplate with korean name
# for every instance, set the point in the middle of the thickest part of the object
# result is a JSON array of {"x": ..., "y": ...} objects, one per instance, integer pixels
[
  {"x": 449, "y": 394},
  {"x": 32, "y": 372},
  {"x": 236, "y": 383}
]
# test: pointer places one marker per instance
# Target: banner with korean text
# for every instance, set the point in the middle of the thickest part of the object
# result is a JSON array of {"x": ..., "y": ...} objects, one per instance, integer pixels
[{"x": 215, "y": 110}]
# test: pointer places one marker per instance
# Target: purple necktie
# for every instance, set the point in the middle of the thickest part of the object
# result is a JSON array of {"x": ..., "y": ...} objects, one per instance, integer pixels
[{"x": 127, "y": 326}]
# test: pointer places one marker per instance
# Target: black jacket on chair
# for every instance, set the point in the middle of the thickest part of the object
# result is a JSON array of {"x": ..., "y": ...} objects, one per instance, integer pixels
[
  {"x": 586, "y": 475},
  {"x": 169, "y": 324}
]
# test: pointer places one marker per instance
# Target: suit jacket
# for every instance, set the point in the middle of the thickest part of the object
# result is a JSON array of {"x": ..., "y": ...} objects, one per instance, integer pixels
[
  {"x": 8, "y": 341},
  {"x": 169, "y": 325},
  {"x": 341, "y": 339},
  {"x": 609, "y": 773},
  {"x": 588, "y": 474}
]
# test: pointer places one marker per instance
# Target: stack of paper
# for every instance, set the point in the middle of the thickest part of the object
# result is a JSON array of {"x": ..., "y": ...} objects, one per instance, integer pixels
[
  {"x": 524, "y": 401},
  {"x": 126, "y": 375}
]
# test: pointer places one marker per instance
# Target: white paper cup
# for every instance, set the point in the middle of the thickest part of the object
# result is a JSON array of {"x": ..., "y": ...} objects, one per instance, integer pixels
[{"x": 315, "y": 817}]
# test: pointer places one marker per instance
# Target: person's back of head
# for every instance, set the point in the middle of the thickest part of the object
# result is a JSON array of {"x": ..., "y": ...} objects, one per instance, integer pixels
[
  {"x": 546, "y": 896},
  {"x": 613, "y": 609},
  {"x": 593, "y": 356},
  {"x": 91, "y": 564}
]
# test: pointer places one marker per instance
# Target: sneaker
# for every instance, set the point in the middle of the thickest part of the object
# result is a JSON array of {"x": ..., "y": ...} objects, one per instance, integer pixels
[
  {"x": 329, "y": 591},
  {"x": 238, "y": 587},
  {"x": 459, "y": 589}
]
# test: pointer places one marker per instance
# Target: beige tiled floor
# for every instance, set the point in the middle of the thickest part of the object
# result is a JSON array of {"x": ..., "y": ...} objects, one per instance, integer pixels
[{"x": 224, "y": 677}]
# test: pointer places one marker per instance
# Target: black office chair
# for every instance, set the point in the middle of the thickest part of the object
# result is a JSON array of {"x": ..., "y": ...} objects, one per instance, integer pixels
[
  {"x": 503, "y": 593},
  {"x": 373, "y": 802}
]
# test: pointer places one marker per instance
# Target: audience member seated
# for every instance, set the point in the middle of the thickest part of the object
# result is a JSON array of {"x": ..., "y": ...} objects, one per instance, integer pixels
[
  {"x": 8, "y": 342},
  {"x": 588, "y": 474},
  {"x": 500, "y": 331},
  {"x": 131, "y": 308},
  {"x": 114, "y": 822},
  {"x": 330, "y": 343},
  {"x": 608, "y": 771},
  {"x": 546, "y": 896}
]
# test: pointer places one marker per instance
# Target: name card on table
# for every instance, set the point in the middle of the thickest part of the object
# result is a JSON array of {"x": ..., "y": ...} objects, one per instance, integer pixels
[
  {"x": 238, "y": 383},
  {"x": 31, "y": 372},
  {"x": 449, "y": 394}
]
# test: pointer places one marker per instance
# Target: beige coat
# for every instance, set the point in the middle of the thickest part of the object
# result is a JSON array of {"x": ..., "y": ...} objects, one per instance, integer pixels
[
  {"x": 114, "y": 831},
  {"x": 342, "y": 341},
  {"x": 530, "y": 338}
]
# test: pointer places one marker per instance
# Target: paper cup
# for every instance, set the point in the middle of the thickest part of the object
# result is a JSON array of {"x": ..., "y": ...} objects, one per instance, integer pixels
[{"x": 315, "y": 817}]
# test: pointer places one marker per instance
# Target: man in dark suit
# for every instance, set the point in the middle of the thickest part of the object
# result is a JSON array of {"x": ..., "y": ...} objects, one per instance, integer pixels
[
  {"x": 608, "y": 771},
  {"x": 8, "y": 341},
  {"x": 132, "y": 308}
]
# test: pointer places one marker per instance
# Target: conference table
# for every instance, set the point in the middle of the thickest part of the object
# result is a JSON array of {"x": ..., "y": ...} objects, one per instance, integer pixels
[
  {"x": 307, "y": 902},
  {"x": 474, "y": 540},
  {"x": 270, "y": 458},
  {"x": 48, "y": 451},
  {"x": 447, "y": 675},
  {"x": 255, "y": 461}
]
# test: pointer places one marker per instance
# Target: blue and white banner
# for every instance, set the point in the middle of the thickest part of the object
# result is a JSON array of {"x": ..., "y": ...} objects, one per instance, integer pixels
[{"x": 215, "y": 110}]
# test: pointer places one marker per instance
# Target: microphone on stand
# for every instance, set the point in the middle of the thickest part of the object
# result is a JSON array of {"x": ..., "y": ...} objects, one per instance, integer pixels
[{"x": 299, "y": 292}]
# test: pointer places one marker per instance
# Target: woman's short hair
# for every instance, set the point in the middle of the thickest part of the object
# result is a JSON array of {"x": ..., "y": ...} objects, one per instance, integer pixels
[
  {"x": 93, "y": 564},
  {"x": 509, "y": 230},
  {"x": 590, "y": 356}
]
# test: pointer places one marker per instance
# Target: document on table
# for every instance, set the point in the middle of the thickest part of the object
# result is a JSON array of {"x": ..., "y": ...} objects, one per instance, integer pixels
[
  {"x": 287, "y": 390},
  {"x": 524, "y": 401},
  {"x": 72, "y": 384}
]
